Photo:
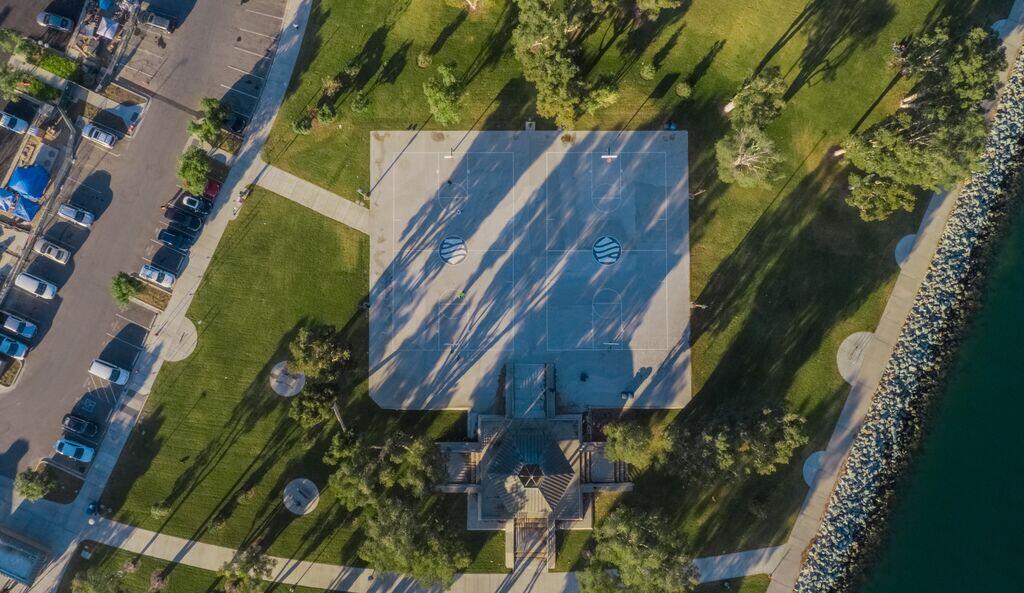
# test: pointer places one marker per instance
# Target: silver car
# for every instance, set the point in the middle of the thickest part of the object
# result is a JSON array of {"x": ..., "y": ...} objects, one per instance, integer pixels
[
  {"x": 157, "y": 276},
  {"x": 37, "y": 286},
  {"x": 99, "y": 135},
  {"x": 12, "y": 123},
  {"x": 18, "y": 326},
  {"x": 54, "y": 21},
  {"x": 109, "y": 372},
  {"x": 79, "y": 216},
  {"x": 51, "y": 250}
]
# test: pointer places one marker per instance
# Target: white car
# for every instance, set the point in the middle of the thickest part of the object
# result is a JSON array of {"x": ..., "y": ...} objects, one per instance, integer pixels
[
  {"x": 37, "y": 286},
  {"x": 79, "y": 216},
  {"x": 17, "y": 325},
  {"x": 51, "y": 250},
  {"x": 54, "y": 21},
  {"x": 99, "y": 135},
  {"x": 109, "y": 372},
  {"x": 74, "y": 450},
  {"x": 12, "y": 123},
  {"x": 13, "y": 348},
  {"x": 157, "y": 276}
]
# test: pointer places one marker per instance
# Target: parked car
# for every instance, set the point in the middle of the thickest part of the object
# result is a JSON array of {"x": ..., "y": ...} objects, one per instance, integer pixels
[
  {"x": 157, "y": 21},
  {"x": 37, "y": 286},
  {"x": 108, "y": 371},
  {"x": 13, "y": 348},
  {"x": 80, "y": 426},
  {"x": 13, "y": 123},
  {"x": 175, "y": 239},
  {"x": 17, "y": 325},
  {"x": 183, "y": 220},
  {"x": 55, "y": 21},
  {"x": 101, "y": 136},
  {"x": 77, "y": 215},
  {"x": 157, "y": 276},
  {"x": 195, "y": 205},
  {"x": 75, "y": 450},
  {"x": 51, "y": 250}
]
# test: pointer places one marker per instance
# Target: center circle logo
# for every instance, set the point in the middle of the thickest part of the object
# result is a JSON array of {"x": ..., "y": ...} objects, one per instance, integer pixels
[
  {"x": 452, "y": 250},
  {"x": 607, "y": 250}
]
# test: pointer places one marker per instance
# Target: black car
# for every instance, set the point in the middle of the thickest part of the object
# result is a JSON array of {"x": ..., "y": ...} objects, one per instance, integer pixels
[
  {"x": 183, "y": 220},
  {"x": 195, "y": 205},
  {"x": 80, "y": 426},
  {"x": 175, "y": 239}
]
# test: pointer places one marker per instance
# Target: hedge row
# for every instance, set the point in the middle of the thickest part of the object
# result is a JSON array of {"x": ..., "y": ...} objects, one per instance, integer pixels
[{"x": 950, "y": 293}]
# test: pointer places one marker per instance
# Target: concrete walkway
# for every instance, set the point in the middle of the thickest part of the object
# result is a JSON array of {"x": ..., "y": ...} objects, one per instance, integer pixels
[{"x": 314, "y": 197}]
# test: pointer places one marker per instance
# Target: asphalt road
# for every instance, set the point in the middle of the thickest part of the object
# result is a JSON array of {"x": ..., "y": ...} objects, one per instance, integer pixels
[
  {"x": 20, "y": 15},
  {"x": 126, "y": 187}
]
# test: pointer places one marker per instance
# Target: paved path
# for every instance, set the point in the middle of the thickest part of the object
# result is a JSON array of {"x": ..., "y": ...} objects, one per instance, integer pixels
[
  {"x": 313, "y": 197},
  {"x": 876, "y": 357}
]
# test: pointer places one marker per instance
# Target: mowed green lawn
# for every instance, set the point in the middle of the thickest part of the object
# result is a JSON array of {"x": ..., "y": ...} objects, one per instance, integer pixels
[
  {"x": 782, "y": 274},
  {"x": 213, "y": 429},
  {"x": 180, "y": 578}
]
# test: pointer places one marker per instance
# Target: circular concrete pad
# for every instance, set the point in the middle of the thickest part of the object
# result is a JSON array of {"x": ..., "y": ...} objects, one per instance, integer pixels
[
  {"x": 284, "y": 383},
  {"x": 851, "y": 354},
  {"x": 903, "y": 248},
  {"x": 180, "y": 341},
  {"x": 811, "y": 466},
  {"x": 301, "y": 496}
]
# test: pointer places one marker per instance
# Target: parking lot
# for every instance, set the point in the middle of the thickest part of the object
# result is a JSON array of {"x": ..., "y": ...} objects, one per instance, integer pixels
[
  {"x": 220, "y": 50},
  {"x": 21, "y": 16},
  {"x": 10, "y": 142}
]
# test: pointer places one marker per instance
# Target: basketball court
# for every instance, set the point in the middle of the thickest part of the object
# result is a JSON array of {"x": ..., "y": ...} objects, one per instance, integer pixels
[{"x": 490, "y": 248}]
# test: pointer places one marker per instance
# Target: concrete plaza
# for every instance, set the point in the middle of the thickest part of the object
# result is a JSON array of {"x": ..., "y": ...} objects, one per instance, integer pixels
[{"x": 489, "y": 248}]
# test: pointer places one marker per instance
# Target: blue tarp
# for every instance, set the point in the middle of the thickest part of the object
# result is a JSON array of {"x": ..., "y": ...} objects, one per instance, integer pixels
[
  {"x": 30, "y": 182},
  {"x": 26, "y": 209},
  {"x": 106, "y": 4},
  {"x": 7, "y": 199}
]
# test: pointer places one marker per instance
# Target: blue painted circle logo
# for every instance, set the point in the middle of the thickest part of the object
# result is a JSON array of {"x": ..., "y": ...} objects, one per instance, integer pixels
[
  {"x": 453, "y": 250},
  {"x": 607, "y": 250}
]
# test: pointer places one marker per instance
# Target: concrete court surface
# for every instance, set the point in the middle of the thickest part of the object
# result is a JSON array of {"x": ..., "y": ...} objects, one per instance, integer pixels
[{"x": 524, "y": 218}]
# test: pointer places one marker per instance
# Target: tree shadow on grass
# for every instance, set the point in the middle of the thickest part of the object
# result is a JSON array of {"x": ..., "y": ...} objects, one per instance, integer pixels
[
  {"x": 445, "y": 34},
  {"x": 135, "y": 460}
]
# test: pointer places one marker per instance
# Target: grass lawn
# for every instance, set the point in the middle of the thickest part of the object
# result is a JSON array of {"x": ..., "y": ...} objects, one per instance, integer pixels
[
  {"x": 214, "y": 430},
  {"x": 753, "y": 584},
  {"x": 784, "y": 273},
  {"x": 180, "y": 578}
]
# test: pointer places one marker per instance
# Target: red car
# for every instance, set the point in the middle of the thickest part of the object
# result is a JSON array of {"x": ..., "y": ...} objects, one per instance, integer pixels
[{"x": 212, "y": 189}]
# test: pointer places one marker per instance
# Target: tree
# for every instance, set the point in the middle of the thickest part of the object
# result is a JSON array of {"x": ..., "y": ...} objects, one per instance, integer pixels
[
  {"x": 11, "y": 80},
  {"x": 414, "y": 464},
  {"x": 637, "y": 445},
  {"x": 747, "y": 157},
  {"x": 34, "y": 484},
  {"x": 599, "y": 98},
  {"x": 246, "y": 572},
  {"x": 760, "y": 100},
  {"x": 637, "y": 554},
  {"x": 877, "y": 198},
  {"x": 194, "y": 170},
  {"x": 207, "y": 128},
  {"x": 443, "y": 95},
  {"x": 770, "y": 441},
  {"x": 354, "y": 480},
  {"x": 542, "y": 45},
  {"x": 652, "y": 8},
  {"x": 94, "y": 581},
  {"x": 124, "y": 287},
  {"x": 317, "y": 353},
  {"x": 400, "y": 540},
  {"x": 312, "y": 407},
  {"x": 965, "y": 67}
]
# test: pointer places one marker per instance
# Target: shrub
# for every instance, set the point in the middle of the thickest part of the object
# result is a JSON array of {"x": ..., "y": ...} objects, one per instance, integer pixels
[
  {"x": 303, "y": 124},
  {"x": 34, "y": 484},
  {"x": 194, "y": 170},
  {"x": 423, "y": 60},
  {"x": 683, "y": 90},
  {"x": 157, "y": 581},
  {"x": 331, "y": 86},
  {"x": 443, "y": 93},
  {"x": 160, "y": 510},
  {"x": 352, "y": 70},
  {"x": 360, "y": 103},
  {"x": 326, "y": 114},
  {"x": 747, "y": 157},
  {"x": 648, "y": 71},
  {"x": 124, "y": 287}
]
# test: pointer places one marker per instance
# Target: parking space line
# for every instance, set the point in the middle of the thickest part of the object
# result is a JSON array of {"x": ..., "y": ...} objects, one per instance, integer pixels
[
  {"x": 264, "y": 14},
  {"x": 240, "y": 92},
  {"x": 258, "y": 33},
  {"x": 86, "y": 186},
  {"x": 251, "y": 52},
  {"x": 246, "y": 72},
  {"x": 126, "y": 342},
  {"x": 152, "y": 53}
]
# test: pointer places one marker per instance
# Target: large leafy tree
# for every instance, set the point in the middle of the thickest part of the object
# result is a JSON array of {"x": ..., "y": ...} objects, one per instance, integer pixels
[
  {"x": 312, "y": 407},
  {"x": 401, "y": 540},
  {"x": 193, "y": 170},
  {"x": 878, "y": 198},
  {"x": 247, "y": 571},
  {"x": 34, "y": 484},
  {"x": 639, "y": 445},
  {"x": 652, "y": 8},
  {"x": 413, "y": 464},
  {"x": 317, "y": 352},
  {"x": 542, "y": 45},
  {"x": 207, "y": 128},
  {"x": 770, "y": 441},
  {"x": 747, "y": 157},
  {"x": 355, "y": 478},
  {"x": 443, "y": 94},
  {"x": 637, "y": 553},
  {"x": 760, "y": 100}
]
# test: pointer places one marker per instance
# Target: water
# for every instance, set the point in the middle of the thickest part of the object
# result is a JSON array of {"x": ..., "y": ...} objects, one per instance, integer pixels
[{"x": 959, "y": 523}]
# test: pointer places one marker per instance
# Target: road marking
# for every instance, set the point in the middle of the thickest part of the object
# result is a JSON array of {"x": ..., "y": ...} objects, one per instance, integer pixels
[
  {"x": 152, "y": 53},
  {"x": 246, "y": 72},
  {"x": 258, "y": 33},
  {"x": 86, "y": 186},
  {"x": 262, "y": 55},
  {"x": 280, "y": 18},
  {"x": 126, "y": 342},
  {"x": 234, "y": 90}
]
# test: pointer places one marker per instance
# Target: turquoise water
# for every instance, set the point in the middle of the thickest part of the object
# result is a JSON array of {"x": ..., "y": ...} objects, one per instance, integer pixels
[{"x": 959, "y": 523}]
